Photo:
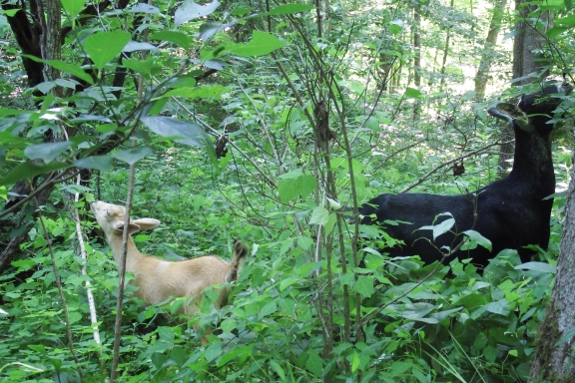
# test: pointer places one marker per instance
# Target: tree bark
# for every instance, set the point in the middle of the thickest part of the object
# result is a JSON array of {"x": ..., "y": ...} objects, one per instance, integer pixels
[
  {"x": 485, "y": 63},
  {"x": 527, "y": 61},
  {"x": 557, "y": 363}
]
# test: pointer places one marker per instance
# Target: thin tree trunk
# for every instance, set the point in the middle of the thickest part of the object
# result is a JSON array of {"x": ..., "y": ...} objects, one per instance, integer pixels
[{"x": 485, "y": 63}]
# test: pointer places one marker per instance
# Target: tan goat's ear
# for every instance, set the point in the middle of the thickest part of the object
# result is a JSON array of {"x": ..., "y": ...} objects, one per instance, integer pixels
[
  {"x": 147, "y": 223},
  {"x": 132, "y": 227}
]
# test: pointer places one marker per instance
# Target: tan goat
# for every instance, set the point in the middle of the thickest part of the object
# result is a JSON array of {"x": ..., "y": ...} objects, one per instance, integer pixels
[{"x": 158, "y": 279}]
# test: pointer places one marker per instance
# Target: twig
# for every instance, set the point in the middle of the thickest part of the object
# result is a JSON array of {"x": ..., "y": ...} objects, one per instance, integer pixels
[
  {"x": 60, "y": 292},
  {"x": 456, "y": 159},
  {"x": 82, "y": 247}
]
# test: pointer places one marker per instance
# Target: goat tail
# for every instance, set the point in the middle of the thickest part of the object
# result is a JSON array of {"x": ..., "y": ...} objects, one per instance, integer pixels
[{"x": 240, "y": 252}]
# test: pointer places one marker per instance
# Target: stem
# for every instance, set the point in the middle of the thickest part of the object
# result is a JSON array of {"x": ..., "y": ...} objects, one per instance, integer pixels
[{"x": 60, "y": 292}]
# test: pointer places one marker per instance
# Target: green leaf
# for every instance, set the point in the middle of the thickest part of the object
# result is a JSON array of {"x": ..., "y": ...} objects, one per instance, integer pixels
[
  {"x": 412, "y": 93},
  {"x": 228, "y": 325},
  {"x": 287, "y": 189},
  {"x": 565, "y": 338},
  {"x": 173, "y": 37},
  {"x": 47, "y": 152},
  {"x": 556, "y": 31},
  {"x": 479, "y": 239},
  {"x": 102, "y": 163},
  {"x": 131, "y": 156},
  {"x": 314, "y": 363},
  {"x": 364, "y": 285},
  {"x": 569, "y": 20},
  {"x": 355, "y": 361},
  {"x": 319, "y": 216},
  {"x": 277, "y": 368},
  {"x": 208, "y": 30},
  {"x": 537, "y": 266},
  {"x": 143, "y": 67},
  {"x": 73, "y": 7},
  {"x": 179, "y": 355},
  {"x": 287, "y": 9},
  {"x": 306, "y": 184},
  {"x": 440, "y": 228},
  {"x": 490, "y": 353},
  {"x": 190, "y": 10},
  {"x": 74, "y": 70},
  {"x": 102, "y": 47},
  {"x": 267, "y": 310},
  {"x": 261, "y": 44},
  {"x": 183, "y": 132},
  {"x": 3, "y": 193},
  {"x": 208, "y": 91},
  {"x": 31, "y": 169}
]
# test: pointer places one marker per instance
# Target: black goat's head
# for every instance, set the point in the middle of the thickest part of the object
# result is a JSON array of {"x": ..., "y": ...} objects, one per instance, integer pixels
[{"x": 535, "y": 110}]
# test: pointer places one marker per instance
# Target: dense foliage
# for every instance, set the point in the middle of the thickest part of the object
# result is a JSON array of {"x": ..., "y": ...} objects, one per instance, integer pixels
[{"x": 313, "y": 123}]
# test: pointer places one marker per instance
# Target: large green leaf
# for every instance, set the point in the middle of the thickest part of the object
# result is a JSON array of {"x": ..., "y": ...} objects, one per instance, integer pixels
[
  {"x": 74, "y": 70},
  {"x": 286, "y": 9},
  {"x": 102, "y": 47},
  {"x": 319, "y": 216},
  {"x": 73, "y": 7},
  {"x": 131, "y": 156},
  {"x": 182, "y": 132},
  {"x": 143, "y": 67},
  {"x": 173, "y": 37},
  {"x": 31, "y": 169},
  {"x": 190, "y": 10},
  {"x": 261, "y": 44},
  {"x": 103, "y": 163},
  {"x": 10, "y": 141},
  {"x": 47, "y": 152}
]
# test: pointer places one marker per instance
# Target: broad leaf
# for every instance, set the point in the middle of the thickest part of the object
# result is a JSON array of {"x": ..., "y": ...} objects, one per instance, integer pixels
[
  {"x": 190, "y": 10},
  {"x": 131, "y": 156},
  {"x": 479, "y": 239},
  {"x": 73, "y": 7},
  {"x": 207, "y": 30},
  {"x": 102, "y": 163},
  {"x": 412, "y": 93},
  {"x": 537, "y": 266},
  {"x": 74, "y": 70},
  {"x": 364, "y": 286},
  {"x": 173, "y": 37},
  {"x": 47, "y": 152},
  {"x": 144, "y": 8},
  {"x": 102, "y": 47},
  {"x": 3, "y": 193},
  {"x": 261, "y": 44},
  {"x": 286, "y": 9},
  {"x": 31, "y": 169},
  {"x": 319, "y": 216},
  {"x": 143, "y": 67},
  {"x": 134, "y": 46},
  {"x": 183, "y": 132}
]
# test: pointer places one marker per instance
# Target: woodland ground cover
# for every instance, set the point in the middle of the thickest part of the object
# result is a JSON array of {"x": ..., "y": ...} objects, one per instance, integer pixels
[{"x": 314, "y": 117}]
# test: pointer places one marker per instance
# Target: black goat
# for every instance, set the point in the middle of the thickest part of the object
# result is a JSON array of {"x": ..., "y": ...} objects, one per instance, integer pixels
[{"x": 511, "y": 213}]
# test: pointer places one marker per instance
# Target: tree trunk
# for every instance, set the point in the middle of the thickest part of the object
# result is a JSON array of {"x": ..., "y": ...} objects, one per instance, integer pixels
[
  {"x": 557, "y": 363},
  {"x": 526, "y": 62},
  {"x": 485, "y": 63}
]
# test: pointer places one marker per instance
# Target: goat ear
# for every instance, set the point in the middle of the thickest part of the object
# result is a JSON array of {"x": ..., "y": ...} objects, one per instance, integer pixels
[
  {"x": 132, "y": 227},
  {"x": 146, "y": 223},
  {"x": 509, "y": 113}
]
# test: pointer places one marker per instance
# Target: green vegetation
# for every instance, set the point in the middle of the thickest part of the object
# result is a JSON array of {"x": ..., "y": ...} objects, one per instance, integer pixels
[{"x": 317, "y": 115}]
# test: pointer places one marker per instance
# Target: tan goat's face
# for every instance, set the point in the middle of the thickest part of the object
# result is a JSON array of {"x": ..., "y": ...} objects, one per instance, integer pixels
[{"x": 111, "y": 219}]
